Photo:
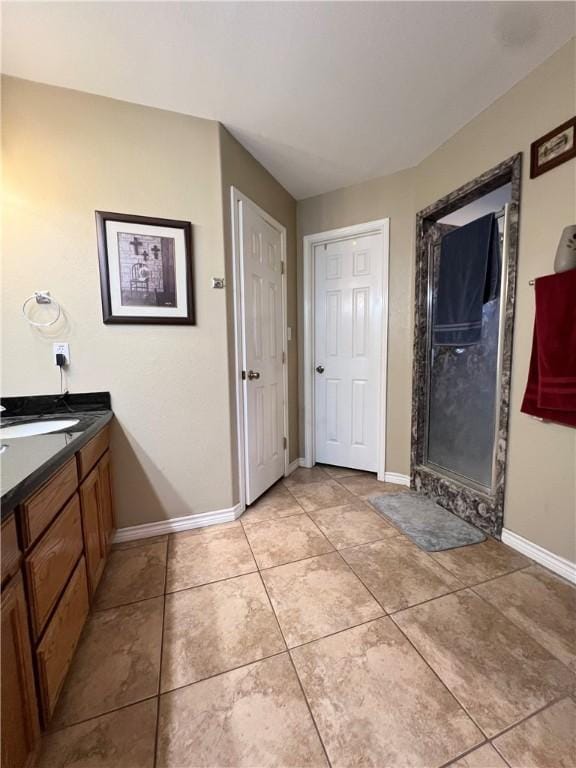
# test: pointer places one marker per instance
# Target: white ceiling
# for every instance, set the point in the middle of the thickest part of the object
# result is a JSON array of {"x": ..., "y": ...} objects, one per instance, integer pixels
[{"x": 323, "y": 94}]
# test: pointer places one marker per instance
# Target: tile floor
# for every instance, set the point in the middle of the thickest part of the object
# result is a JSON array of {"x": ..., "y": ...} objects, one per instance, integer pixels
[{"x": 311, "y": 632}]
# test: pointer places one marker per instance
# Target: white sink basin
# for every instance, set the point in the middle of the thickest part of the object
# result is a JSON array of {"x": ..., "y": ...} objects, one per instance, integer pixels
[{"x": 36, "y": 428}]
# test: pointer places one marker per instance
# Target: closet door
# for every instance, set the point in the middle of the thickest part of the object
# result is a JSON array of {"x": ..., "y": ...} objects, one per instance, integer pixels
[
  {"x": 348, "y": 352},
  {"x": 264, "y": 356}
]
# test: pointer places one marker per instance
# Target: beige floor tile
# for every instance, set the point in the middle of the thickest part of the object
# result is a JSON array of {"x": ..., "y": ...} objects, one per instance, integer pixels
[
  {"x": 546, "y": 740},
  {"x": 117, "y": 662},
  {"x": 498, "y": 672},
  {"x": 140, "y": 542},
  {"x": 352, "y": 524},
  {"x": 540, "y": 603},
  {"x": 275, "y": 503},
  {"x": 315, "y": 597},
  {"x": 377, "y": 703},
  {"x": 207, "y": 554},
  {"x": 366, "y": 487},
  {"x": 216, "y": 627},
  {"x": 132, "y": 574},
  {"x": 320, "y": 495},
  {"x": 480, "y": 562},
  {"x": 398, "y": 573},
  {"x": 253, "y": 717},
  {"x": 121, "y": 739},
  {"x": 338, "y": 472},
  {"x": 483, "y": 757},
  {"x": 305, "y": 475},
  {"x": 275, "y": 542}
]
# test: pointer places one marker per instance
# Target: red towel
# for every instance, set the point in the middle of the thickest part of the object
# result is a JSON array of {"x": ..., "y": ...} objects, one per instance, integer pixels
[{"x": 551, "y": 389}]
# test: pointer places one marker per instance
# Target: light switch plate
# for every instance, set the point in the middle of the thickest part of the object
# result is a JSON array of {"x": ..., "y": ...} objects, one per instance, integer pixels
[
  {"x": 289, "y": 333},
  {"x": 61, "y": 348}
]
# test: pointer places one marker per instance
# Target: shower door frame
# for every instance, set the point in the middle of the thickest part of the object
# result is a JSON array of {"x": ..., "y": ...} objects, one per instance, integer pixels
[{"x": 480, "y": 506}]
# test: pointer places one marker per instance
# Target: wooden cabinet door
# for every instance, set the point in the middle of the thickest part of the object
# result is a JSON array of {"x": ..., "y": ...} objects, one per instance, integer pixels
[
  {"x": 20, "y": 729},
  {"x": 56, "y": 649},
  {"x": 105, "y": 480},
  {"x": 91, "y": 504}
]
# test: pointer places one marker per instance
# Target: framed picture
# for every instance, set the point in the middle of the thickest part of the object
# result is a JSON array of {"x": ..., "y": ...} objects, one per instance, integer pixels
[
  {"x": 553, "y": 149},
  {"x": 145, "y": 269}
]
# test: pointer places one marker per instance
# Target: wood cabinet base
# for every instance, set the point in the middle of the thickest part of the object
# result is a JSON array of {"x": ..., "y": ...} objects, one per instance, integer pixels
[{"x": 59, "y": 539}]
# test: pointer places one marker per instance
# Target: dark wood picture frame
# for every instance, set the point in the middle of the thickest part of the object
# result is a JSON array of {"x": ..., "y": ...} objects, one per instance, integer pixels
[
  {"x": 536, "y": 168},
  {"x": 102, "y": 218}
]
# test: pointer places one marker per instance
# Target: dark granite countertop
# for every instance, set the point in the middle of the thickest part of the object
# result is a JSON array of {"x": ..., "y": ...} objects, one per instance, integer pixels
[{"x": 27, "y": 462}]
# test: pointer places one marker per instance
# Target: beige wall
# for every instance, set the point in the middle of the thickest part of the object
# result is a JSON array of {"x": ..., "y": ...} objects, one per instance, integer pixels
[
  {"x": 241, "y": 170},
  {"x": 541, "y": 480},
  {"x": 390, "y": 196},
  {"x": 67, "y": 154}
]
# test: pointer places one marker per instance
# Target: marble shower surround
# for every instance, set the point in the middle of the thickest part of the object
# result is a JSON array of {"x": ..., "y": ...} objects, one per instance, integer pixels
[{"x": 486, "y": 511}]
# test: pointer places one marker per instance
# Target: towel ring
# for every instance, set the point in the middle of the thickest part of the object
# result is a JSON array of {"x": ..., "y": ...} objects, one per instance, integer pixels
[{"x": 42, "y": 297}]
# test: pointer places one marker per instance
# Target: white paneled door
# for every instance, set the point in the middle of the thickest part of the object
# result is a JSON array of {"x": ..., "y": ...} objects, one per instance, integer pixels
[
  {"x": 348, "y": 350},
  {"x": 263, "y": 355}
]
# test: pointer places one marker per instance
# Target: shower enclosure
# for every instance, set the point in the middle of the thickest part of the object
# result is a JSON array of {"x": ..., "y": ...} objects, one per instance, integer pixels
[{"x": 461, "y": 395}]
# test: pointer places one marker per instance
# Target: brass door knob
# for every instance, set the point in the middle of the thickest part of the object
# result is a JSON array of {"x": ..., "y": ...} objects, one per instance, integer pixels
[{"x": 253, "y": 375}]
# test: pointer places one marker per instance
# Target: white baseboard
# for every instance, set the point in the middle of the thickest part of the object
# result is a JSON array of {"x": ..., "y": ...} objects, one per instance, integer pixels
[
  {"x": 293, "y": 466},
  {"x": 303, "y": 463},
  {"x": 561, "y": 566},
  {"x": 177, "y": 524},
  {"x": 395, "y": 477}
]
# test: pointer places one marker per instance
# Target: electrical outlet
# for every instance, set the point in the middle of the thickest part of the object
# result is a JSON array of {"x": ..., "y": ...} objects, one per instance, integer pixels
[{"x": 61, "y": 348}]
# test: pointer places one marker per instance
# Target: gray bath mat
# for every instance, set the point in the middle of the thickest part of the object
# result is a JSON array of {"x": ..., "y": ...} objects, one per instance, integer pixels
[{"x": 428, "y": 525}]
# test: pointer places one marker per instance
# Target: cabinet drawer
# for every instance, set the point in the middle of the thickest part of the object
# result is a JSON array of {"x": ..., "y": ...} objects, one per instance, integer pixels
[
  {"x": 52, "y": 561},
  {"x": 89, "y": 455},
  {"x": 56, "y": 650},
  {"x": 10, "y": 550},
  {"x": 39, "y": 510}
]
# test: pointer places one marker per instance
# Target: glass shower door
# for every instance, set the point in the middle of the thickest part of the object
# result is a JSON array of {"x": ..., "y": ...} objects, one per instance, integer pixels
[{"x": 463, "y": 391}]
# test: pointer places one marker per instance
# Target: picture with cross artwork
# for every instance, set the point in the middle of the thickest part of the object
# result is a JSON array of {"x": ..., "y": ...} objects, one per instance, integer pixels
[{"x": 146, "y": 271}]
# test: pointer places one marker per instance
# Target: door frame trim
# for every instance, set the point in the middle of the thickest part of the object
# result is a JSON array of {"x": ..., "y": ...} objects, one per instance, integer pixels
[
  {"x": 237, "y": 200},
  {"x": 379, "y": 226}
]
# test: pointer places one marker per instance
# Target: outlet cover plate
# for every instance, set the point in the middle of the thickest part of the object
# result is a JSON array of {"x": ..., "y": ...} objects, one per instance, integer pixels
[{"x": 61, "y": 348}]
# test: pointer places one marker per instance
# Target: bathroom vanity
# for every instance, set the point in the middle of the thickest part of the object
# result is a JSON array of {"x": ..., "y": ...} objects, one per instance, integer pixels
[{"x": 57, "y": 526}]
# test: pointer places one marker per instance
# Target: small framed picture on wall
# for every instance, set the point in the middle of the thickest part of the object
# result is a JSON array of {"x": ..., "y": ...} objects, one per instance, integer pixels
[
  {"x": 554, "y": 148},
  {"x": 146, "y": 273}
]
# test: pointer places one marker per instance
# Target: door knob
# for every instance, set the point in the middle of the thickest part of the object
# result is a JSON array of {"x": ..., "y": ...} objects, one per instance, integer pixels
[
  {"x": 253, "y": 375},
  {"x": 320, "y": 368}
]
